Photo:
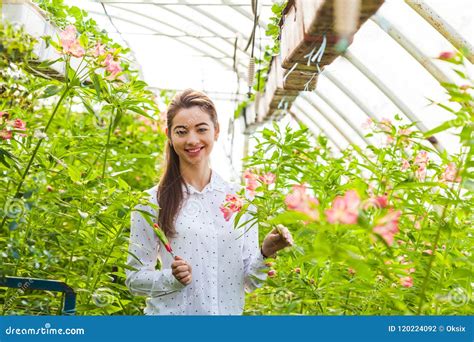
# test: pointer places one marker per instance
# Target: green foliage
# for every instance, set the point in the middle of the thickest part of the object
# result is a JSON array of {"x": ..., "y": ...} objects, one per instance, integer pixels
[
  {"x": 70, "y": 179},
  {"x": 337, "y": 268}
]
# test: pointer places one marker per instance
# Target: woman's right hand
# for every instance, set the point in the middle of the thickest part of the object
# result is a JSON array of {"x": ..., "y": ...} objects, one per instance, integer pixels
[{"x": 181, "y": 270}]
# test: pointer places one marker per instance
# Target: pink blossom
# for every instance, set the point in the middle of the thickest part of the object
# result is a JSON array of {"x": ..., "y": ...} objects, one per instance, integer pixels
[
  {"x": 6, "y": 135},
  {"x": 267, "y": 178},
  {"x": 376, "y": 202},
  {"x": 367, "y": 123},
  {"x": 420, "y": 173},
  {"x": 99, "y": 50},
  {"x": 344, "y": 209},
  {"x": 112, "y": 66},
  {"x": 404, "y": 132},
  {"x": 428, "y": 251},
  {"x": 411, "y": 270},
  {"x": 406, "y": 281},
  {"x": 422, "y": 158},
  {"x": 19, "y": 124},
  {"x": 351, "y": 271},
  {"x": 450, "y": 174},
  {"x": 272, "y": 273},
  {"x": 299, "y": 200},
  {"x": 385, "y": 125},
  {"x": 390, "y": 139},
  {"x": 232, "y": 204},
  {"x": 251, "y": 182},
  {"x": 387, "y": 226},
  {"x": 70, "y": 43},
  {"x": 445, "y": 55},
  {"x": 405, "y": 165}
]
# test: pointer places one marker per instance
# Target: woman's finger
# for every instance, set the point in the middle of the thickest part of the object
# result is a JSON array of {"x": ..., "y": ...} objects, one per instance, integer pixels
[
  {"x": 181, "y": 275},
  {"x": 182, "y": 268},
  {"x": 186, "y": 280}
]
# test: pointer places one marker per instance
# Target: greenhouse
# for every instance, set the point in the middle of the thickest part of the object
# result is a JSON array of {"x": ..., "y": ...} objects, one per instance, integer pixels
[{"x": 236, "y": 157}]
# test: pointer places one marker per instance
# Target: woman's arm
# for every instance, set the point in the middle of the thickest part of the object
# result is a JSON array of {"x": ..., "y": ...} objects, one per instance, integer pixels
[{"x": 144, "y": 249}]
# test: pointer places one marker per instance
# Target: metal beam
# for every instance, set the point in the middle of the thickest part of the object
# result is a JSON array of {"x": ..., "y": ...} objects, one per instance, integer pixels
[
  {"x": 440, "y": 25},
  {"x": 350, "y": 94},
  {"x": 397, "y": 101},
  {"x": 225, "y": 53},
  {"x": 343, "y": 116},
  {"x": 205, "y": 53},
  {"x": 411, "y": 48},
  {"x": 313, "y": 120},
  {"x": 306, "y": 96}
]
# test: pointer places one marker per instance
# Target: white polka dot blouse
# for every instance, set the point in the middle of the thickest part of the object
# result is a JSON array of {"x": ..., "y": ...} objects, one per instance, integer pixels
[{"x": 225, "y": 261}]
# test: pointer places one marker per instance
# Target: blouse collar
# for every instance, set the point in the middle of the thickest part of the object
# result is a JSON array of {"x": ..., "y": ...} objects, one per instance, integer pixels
[{"x": 216, "y": 183}]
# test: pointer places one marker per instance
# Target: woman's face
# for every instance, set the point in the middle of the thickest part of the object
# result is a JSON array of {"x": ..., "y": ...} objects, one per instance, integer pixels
[{"x": 193, "y": 135}]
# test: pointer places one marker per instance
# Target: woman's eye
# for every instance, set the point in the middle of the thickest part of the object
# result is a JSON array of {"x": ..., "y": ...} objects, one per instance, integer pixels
[
  {"x": 180, "y": 132},
  {"x": 202, "y": 130}
]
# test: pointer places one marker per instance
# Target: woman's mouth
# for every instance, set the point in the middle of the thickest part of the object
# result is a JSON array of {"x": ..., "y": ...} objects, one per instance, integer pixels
[{"x": 193, "y": 151}]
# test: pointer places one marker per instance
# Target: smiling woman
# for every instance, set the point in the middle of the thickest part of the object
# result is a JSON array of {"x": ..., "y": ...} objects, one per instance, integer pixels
[{"x": 214, "y": 262}]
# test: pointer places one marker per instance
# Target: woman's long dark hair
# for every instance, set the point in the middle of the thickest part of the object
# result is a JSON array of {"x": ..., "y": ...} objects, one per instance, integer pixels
[{"x": 170, "y": 192}]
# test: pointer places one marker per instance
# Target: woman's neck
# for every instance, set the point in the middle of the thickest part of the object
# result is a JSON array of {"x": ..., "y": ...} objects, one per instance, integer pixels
[{"x": 198, "y": 176}]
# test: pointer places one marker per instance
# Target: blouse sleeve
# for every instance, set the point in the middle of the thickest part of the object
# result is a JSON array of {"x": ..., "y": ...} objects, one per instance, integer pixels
[
  {"x": 144, "y": 250},
  {"x": 254, "y": 264}
]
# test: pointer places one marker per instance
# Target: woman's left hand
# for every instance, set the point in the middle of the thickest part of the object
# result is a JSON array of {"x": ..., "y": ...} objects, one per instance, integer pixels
[{"x": 275, "y": 240}]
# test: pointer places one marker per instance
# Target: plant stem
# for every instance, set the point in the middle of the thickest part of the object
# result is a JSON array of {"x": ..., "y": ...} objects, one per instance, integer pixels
[
  {"x": 107, "y": 144},
  {"x": 35, "y": 151}
]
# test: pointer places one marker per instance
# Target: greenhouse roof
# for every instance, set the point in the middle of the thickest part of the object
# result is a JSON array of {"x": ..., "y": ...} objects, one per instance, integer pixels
[{"x": 390, "y": 68}]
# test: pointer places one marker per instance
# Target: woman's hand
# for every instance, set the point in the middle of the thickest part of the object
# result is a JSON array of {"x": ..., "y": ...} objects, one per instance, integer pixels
[
  {"x": 277, "y": 239},
  {"x": 181, "y": 270}
]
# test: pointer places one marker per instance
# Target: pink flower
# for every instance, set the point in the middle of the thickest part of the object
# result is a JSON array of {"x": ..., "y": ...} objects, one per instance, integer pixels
[
  {"x": 445, "y": 55},
  {"x": 232, "y": 204},
  {"x": 404, "y": 132},
  {"x": 387, "y": 226},
  {"x": 428, "y": 251},
  {"x": 344, "y": 209},
  {"x": 367, "y": 123},
  {"x": 376, "y": 202},
  {"x": 99, "y": 50},
  {"x": 272, "y": 273},
  {"x": 351, "y": 271},
  {"x": 390, "y": 139},
  {"x": 450, "y": 174},
  {"x": 68, "y": 36},
  {"x": 6, "y": 135},
  {"x": 420, "y": 173},
  {"x": 299, "y": 200},
  {"x": 19, "y": 124},
  {"x": 405, "y": 165},
  {"x": 268, "y": 178},
  {"x": 70, "y": 43},
  {"x": 385, "y": 125},
  {"x": 112, "y": 66},
  {"x": 406, "y": 281},
  {"x": 422, "y": 158},
  {"x": 251, "y": 182}
]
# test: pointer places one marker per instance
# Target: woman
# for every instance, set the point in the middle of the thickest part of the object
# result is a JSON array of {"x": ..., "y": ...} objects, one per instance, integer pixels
[{"x": 214, "y": 262}]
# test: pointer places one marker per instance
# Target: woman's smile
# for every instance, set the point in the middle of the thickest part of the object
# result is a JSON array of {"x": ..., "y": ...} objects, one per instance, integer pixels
[{"x": 194, "y": 151}]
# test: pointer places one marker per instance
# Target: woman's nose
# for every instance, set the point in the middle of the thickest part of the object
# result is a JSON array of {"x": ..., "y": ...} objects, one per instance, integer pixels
[{"x": 192, "y": 139}]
